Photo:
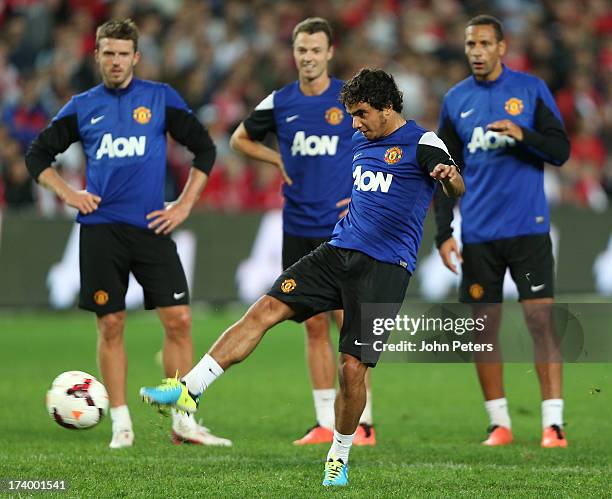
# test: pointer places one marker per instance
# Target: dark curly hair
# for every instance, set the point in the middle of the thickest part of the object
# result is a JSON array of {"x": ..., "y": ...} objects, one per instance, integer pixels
[{"x": 374, "y": 87}]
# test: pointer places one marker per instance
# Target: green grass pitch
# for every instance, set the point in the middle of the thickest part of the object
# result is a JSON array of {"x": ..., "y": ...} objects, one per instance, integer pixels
[{"x": 429, "y": 418}]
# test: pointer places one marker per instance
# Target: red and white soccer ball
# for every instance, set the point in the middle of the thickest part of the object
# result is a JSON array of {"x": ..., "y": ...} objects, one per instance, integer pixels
[{"x": 77, "y": 400}]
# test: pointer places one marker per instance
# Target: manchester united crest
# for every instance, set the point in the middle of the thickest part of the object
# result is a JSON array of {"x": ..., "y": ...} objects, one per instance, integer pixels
[
  {"x": 393, "y": 155},
  {"x": 476, "y": 291},
  {"x": 514, "y": 106},
  {"x": 142, "y": 115},
  {"x": 334, "y": 115},
  {"x": 288, "y": 285},
  {"x": 101, "y": 297}
]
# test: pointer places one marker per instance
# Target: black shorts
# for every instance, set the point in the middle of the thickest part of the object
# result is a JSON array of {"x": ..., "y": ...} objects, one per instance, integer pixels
[
  {"x": 109, "y": 252},
  {"x": 332, "y": 278},
  {"x": 295, "y": 247},
  {"x": 529, "y": 259}
]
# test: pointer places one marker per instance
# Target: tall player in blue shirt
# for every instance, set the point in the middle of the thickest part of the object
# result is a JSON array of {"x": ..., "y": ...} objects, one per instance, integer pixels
[
  {"x": 369, "y": 259},
  {"x": 501, "y": 126},
  {"x": 314, "y": 137},
  {"x": 125, "y": 227}
]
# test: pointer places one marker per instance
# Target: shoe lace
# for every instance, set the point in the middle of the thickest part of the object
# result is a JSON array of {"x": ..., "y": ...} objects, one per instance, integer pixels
[
  {"x": 558, "y": 431},
  {"x": 367, "y": 428},
  {"x": 311, "y": 428},
  {"x": 334, "y": 468},
  {"x": 492, "y": 428}
]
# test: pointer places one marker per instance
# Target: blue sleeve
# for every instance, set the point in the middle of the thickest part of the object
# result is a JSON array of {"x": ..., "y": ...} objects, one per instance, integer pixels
[
  {"x": 174, "y": 100},
  {"x": 68, "y": 109},
  {"x": 548, "y": 100}
]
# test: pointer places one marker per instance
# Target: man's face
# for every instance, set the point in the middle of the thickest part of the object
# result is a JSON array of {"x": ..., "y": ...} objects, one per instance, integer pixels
[
  {"x": 312, "y": 54},
  {"x": 370, "y": 121},
  {"x": 483, "y": 51},
  {"x": 116, "y": 60}
]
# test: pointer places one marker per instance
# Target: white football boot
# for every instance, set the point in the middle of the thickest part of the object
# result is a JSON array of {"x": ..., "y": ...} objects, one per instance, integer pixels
[
  {"x": 122, "y": 438},
  {"x": 185, "y": 429}
]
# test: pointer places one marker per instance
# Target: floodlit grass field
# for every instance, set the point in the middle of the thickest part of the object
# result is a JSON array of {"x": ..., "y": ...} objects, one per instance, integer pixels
[{"x": 429, "y": 420}]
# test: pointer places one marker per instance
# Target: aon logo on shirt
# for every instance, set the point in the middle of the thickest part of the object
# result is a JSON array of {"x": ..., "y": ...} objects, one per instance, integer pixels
[
  {"x": 370, "y": 181},
  {"x": 488, "y": 140},
  {"x": 313, "y": 145},
  {"x": 121, "y": 147}
]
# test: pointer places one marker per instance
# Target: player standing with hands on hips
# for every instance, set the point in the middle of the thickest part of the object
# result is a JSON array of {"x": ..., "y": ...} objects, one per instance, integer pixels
[{"x": 125, "y": 227}]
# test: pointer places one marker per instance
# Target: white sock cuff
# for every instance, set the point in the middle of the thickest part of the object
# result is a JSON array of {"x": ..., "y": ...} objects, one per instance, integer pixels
[
  {"x": 323, "y": 394},
  {"x": 552, "y": 412},
  {"x": 346, "y": 440},
  {"x": 202, "y": 375},
  {"x": 496, "y": 403},
  {"x": 120, "y": 417}
]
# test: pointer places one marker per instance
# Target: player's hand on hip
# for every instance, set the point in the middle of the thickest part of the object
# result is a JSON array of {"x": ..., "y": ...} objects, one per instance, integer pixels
[
  {"x": 84, "y": 201},
  {"x": 506, "y": 127},
  {"x": 166, "y": 220},
  {"x": 340, "y": 204},
  {"x": 446, "y": 250},
  {"x": 281, "y": 168}
]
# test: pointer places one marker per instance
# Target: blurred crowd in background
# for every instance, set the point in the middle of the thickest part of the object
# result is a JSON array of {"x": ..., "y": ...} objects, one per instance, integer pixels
[{"x": 224, "y": 57}]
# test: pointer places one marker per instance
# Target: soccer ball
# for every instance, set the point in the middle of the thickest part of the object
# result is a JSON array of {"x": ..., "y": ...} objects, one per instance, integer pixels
[{"x": 77, "y": 400}]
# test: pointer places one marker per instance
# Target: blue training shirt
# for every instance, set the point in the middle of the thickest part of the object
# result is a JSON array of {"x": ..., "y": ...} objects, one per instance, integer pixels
[
  {"x": 123, "y": 133},
  {"x": 504, "y": 178},
  {"x": 314, "y": 136},
  {"x": 392, "y": 191}
]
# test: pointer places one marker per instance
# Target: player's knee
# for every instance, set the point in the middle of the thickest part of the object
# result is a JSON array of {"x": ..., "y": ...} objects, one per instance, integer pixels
[
  {"x": 178, "y": 325},
  {"x": 539, "y": 321},
  {"x": 317, "y": 329},
  {"x": 266, "y": 312},
  {"x": 110, "y": 327},
  {"x": 351, "y": 373}
]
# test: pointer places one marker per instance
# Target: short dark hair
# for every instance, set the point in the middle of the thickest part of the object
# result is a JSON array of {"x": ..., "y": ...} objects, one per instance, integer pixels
[
  {"x": 124, "y": 29},
  {"x": 487, "y": 20},
  {"x": 313, "y": 25},
  {"x": 373, "y": 86}
]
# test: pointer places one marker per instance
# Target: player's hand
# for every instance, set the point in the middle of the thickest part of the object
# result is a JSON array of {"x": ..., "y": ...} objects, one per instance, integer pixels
[
  {"x": 166, "y": 220},
  {"x": 441, "y": 172},
  {"x": 84, "y": 201},
  {"x": 281, "y": 168},
  {"x": 446, "y": 251},
  {"x": 340, "y": 204},
  {"x": 506, "y": 127}
]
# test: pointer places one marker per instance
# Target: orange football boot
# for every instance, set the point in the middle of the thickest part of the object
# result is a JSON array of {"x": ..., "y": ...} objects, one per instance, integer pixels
[
  {"x": 365, "y": 435},
  {"x": 553, "y": 436},
  {"x": 316, "y": 435},
  {"x": 498, "y": 435}
]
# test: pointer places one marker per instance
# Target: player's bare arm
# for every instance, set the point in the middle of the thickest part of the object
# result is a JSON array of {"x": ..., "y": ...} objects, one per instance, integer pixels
[
  {"x": 341, "y": 204},
  {"x": 84, "y": 201},
  {"x": 175, "y": 213},
  {"x": 450, "y": 178},
  {"x": 507, "y": 127},
  {"x": 240, "y": 141}
]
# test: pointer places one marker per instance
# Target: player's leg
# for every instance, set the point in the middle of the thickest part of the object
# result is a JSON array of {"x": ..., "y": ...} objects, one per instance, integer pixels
[
  {"x": 319, "y": 352},
  {"x": 307, "y": 288},
  {"x": 104, "y": 266},
  {"x": 364, "y": 281},
  {"x": 322, "y": 370},
  {"x": 533, "y": 272},
  {"x": 157, "y": 267},
  {"x": 366, "y": 434},
  {"x": 483, "y": 272}
]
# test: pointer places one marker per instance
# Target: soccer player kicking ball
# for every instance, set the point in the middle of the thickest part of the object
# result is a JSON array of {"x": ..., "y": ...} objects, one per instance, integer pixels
[
  {"x": 501, "y": 126},
  {"x": 370, "y": 258},
  {"x": 314, "y": 137}
]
